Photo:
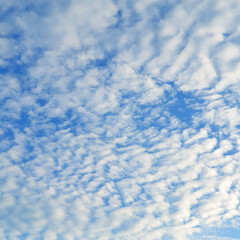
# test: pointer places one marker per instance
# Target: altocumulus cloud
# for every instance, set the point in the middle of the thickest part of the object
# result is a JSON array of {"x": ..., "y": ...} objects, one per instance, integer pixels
[{"x": 119, "y": 119}]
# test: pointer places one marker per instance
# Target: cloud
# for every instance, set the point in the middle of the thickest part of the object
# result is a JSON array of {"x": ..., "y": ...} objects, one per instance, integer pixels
[{"x": 119, "y": 120}]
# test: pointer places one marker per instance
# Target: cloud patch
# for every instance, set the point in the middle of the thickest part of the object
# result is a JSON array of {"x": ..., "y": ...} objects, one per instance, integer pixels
[{"x": 119, "y": 120}]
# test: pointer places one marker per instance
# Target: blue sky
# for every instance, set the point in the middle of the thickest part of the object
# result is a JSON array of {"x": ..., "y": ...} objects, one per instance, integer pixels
[{"x": 119, "y": 119}]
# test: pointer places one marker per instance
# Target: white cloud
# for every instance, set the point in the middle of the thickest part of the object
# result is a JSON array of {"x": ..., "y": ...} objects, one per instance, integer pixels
[{"x": 94, "y": 101}]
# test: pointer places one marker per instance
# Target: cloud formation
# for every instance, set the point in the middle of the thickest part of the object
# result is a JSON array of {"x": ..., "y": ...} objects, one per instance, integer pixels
[{"x": 119, "y": 120}]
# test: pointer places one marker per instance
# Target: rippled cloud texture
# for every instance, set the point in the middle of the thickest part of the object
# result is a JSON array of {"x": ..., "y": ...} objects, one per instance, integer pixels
[{"x": 119, "y": 119}]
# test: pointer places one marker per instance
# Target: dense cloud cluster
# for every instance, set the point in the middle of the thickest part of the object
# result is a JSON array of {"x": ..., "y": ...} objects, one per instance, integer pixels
[{"x": 119, "y": 119}]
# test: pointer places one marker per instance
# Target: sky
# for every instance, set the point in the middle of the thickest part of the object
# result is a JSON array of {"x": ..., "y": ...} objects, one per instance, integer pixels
[{"x": 119, "y": 120}]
